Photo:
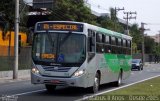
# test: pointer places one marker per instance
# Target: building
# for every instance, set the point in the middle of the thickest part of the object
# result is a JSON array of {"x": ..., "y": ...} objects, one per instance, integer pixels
[
  {"x": 156, "y": 38},
  {"x": 7, "y": 44}
]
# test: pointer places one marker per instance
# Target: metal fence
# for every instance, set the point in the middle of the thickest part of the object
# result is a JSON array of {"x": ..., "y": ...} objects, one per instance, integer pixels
[
  {"x": 148, "y": 57},
  {"x": 7, "y": 62}
]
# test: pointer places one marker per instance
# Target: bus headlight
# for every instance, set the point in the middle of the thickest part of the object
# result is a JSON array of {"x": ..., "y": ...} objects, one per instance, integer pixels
[
  {"x": 79, "y": 73},
  {"x": 35, "y": 70}
]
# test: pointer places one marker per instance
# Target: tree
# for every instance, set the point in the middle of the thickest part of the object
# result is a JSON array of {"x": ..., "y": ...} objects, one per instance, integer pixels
[
  {"x": 72, "y": 10},
  {"x": 8, "y": 14},
  {"x": 137, "y": 37},
  {"x": 156, "y": 49},
  {"x": 110, "y": 22},
  {"x": 7, "y": 9},
  {"x": 149, "y": 45}
]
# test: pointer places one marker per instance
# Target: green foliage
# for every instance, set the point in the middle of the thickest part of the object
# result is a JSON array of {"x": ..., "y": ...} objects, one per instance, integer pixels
[
  {"x": 136, "y": 37},
  {"x": 23, "y": 16},
  {"x": 110, "y": 22},
  {"x": 149, "y": 45},
  {"x": 134, "y": 48},
  {"x": 72, "y": 10},
  {"x": 156, "y": 49},
  {"x": 136, "y": 34},
  {"x": 7, "y": 10},
  {"x": 113, "y": 15}
]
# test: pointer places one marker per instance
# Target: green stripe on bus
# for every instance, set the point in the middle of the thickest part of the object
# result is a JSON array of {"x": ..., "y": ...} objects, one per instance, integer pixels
[{"x": 116, "y": 62}]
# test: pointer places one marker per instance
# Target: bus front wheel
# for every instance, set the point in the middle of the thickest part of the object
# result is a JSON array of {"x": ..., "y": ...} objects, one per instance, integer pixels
[
  {"x": 50, "y": 88},
  {"x": 96, "y": 83}
]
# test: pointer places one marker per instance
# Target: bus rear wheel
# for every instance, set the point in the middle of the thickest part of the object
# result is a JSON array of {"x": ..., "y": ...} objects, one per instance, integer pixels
[
  {"x": 119, "y": 81},
  {"x": 50, "y": 88}
]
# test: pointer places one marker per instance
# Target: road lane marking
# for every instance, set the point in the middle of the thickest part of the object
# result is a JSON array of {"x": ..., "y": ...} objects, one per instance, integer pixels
[
  {"x": 100, "y": 93},
  {"x": 29, "y": 92}
]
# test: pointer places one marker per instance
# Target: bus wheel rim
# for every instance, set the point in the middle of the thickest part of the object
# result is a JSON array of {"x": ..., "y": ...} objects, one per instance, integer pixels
[
  {"x": 120, "y": 79},
  {"x": 96, "y": 84}
]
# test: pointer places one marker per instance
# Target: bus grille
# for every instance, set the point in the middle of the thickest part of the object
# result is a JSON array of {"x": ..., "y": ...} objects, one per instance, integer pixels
[{"x": 56, "y": 69}]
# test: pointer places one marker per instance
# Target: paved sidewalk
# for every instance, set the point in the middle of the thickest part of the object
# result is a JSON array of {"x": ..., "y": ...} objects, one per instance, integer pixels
[
  {"x": 10, "y": 79},
  {"x": 7, "y": 76}
]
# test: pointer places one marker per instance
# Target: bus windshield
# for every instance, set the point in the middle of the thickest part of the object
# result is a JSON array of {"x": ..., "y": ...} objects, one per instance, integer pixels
[{"x": 59, "y": 47}]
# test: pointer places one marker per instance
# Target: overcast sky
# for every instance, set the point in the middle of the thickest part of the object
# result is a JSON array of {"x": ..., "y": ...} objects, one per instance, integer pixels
[{"x": 148, "y": 11}]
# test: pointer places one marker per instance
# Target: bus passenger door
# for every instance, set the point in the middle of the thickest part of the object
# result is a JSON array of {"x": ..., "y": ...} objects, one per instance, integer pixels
[{"x": 91, "y": 61}]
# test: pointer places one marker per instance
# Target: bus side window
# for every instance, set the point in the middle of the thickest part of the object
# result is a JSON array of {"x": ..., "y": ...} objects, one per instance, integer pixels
[
  {"x": 91, "y": 41},
  {"x": 91, "y": 44}
]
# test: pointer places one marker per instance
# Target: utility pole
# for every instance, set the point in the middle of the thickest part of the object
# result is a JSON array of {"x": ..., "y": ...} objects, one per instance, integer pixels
[
  {"x": 118, "y": 9},
  {"x": 143, "y": 46},
  {"x": 143, "y": 50},
  {"x": 15, "y": 70},
  {"x": 159, "y": 46},
  {"x": 115, "y": 12},
  {"x": 128, "y": 17}
]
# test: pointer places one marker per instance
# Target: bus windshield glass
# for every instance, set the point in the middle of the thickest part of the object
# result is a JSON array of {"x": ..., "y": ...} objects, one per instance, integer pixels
[{"x": 59, "y": 47}]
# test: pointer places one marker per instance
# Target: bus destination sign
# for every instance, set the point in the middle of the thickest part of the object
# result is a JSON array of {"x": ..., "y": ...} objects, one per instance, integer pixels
[{"x": 60, "y": 27}]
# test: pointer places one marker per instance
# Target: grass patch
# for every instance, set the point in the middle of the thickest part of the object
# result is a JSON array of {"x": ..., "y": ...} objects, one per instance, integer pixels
[
  {"x": 149, "y": 87},
  {"x": 145, "y": 91}
]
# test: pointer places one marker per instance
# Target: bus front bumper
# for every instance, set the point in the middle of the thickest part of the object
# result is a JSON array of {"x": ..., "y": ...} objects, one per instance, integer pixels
[{"x": 59, "y": 81}]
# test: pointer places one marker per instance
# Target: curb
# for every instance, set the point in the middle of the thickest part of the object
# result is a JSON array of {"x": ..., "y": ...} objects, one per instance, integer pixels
[{"x": 10, "y": 80}]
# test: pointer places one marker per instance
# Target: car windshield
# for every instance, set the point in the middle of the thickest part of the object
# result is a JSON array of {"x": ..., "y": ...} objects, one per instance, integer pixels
[
  {"x": 59, "y": 47},
  {"x": 135, "y": 60}
]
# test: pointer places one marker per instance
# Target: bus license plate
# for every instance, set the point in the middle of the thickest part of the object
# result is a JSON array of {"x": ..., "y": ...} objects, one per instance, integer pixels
[{"x": 55, "y": 81}]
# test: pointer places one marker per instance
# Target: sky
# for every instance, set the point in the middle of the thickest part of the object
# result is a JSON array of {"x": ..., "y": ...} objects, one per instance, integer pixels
[{"x": 148, "y": 11}]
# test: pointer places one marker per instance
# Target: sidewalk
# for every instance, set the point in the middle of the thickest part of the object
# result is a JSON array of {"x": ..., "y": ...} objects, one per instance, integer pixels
[
  {"x": 150, "y": 63},
  {"x": 7, "y": 76}
]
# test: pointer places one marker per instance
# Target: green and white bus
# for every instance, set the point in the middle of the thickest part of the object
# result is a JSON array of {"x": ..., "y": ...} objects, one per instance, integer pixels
[{"x": 76, "y": 54}]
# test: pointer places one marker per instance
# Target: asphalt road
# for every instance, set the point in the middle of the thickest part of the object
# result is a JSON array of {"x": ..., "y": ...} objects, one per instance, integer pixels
[{"x": 25, "y": 91}]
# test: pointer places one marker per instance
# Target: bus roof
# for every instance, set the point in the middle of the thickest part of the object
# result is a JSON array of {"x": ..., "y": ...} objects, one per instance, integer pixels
[
  {"x": 93, "y": 27},
  {"x": 109, "y": 32}
]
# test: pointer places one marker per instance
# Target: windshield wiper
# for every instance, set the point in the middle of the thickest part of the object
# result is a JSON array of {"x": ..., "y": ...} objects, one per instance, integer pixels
[
  {"x": 50, "y": 39},
  {"x": 65, "y": 38}
]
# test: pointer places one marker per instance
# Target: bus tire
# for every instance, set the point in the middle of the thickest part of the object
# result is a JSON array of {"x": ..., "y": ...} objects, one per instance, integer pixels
[
  {"x": 50, "y": 88},
  {"x": 119, "y": 81},
  {"x": 96, "y": 83}
]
